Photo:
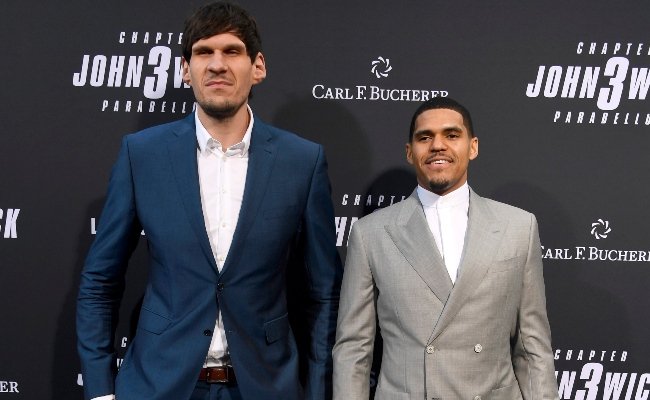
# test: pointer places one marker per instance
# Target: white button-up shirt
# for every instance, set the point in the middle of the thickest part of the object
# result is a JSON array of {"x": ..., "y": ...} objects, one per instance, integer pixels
[
  {"x": 222, "y": 177},
  {"x": 447, "y": 219}
]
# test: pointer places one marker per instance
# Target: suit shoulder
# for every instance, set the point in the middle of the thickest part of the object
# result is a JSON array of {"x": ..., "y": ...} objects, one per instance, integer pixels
[
  {"x": 508, "y": 211},
  {"x": 381, "y": 216},
  {"x": 287, "y": 138},
  {"x": 160, "y": 132}
]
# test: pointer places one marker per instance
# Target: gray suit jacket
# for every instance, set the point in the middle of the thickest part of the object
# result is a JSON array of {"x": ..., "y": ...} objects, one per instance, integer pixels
[{"x": 486, "y": 337}]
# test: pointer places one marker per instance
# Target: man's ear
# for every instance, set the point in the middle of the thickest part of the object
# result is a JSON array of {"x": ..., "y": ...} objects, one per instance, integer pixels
[
  {"x": 473, "y": 148},
  {"x": 259, "y": 68},
  {"x": 186, "y": 71},
  {"x": 409, "y": 154}
]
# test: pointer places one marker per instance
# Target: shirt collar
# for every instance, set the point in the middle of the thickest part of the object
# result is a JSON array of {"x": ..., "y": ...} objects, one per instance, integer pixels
[
  {"x": 204, "y": 138},
  {"x": 458, "y": 197}
]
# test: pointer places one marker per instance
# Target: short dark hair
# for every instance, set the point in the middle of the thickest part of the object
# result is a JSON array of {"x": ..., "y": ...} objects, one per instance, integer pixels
[
  {"x": 446, "y": 103},
  {"x": 221, "y": 17}
]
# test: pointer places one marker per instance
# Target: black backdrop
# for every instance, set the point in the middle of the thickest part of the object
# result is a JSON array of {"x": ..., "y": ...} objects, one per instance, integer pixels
[{"x": 572, "y": 148}]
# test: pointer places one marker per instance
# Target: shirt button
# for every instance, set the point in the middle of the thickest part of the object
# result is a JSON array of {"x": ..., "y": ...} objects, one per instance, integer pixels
[
  {"x": 478, "y": 348},
  {"x": 207, "y": 332},
  {"x": 477, "y": 397},
  {"x": 430, "y": 349}
]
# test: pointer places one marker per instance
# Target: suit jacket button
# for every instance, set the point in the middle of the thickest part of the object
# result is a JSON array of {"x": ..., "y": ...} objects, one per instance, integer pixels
[
  {"x": 220, "y": 286},
  {"x": 430, "y": 349},
  {"x": 207, "y": 332},
  {"x": 478, "y": 348}
]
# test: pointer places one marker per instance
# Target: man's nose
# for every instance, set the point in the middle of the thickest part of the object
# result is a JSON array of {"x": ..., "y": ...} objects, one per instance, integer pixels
[
  {"x": 217, "y": 63},
  {"x": 437, "y": 143}
]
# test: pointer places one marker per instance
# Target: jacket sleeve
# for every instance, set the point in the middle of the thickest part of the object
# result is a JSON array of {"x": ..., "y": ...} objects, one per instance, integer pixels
[
  {"x": 532, "y": 355},
  {"x": 102, "y": 280},
  {"x": 356, "y": 329},
  {"x": 323, "y": 272}
]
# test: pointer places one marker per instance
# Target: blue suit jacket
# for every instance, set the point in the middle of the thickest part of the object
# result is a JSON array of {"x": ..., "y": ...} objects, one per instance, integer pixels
[{"x": 285, "y": 230}]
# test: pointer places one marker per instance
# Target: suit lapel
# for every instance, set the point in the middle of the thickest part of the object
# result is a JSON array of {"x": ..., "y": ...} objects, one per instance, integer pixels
[
  {"x": 484, "y": 232},
  {"x": 261, "y": 155},
  {"x": 182, "y": 157},
  {"x": 414, "y": 240}
]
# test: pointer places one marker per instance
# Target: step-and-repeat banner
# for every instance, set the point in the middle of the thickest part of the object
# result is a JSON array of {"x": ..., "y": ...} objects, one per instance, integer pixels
[{"x": 558, "y": 92}]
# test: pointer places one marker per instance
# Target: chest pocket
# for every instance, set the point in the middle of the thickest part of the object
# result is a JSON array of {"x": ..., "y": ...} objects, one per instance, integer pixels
[{"x": 508, "y": 264}]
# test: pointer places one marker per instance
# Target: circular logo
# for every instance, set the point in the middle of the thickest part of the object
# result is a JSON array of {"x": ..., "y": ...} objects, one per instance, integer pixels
[
  {"x": 600, "y": 229},
  {"x": 381, "y": 67}
]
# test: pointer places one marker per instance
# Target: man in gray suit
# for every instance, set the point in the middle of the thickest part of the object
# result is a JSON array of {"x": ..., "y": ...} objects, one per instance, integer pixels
[{"x": 454, "y": 279}]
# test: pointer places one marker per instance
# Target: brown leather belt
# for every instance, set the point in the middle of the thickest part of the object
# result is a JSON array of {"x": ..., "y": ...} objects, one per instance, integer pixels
[{"x": 222, "y": 374}]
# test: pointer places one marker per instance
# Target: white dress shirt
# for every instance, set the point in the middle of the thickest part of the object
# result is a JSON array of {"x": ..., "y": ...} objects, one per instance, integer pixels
[
  {"x": 447, "y": 219},
  {"x": 222, "y": 177}
]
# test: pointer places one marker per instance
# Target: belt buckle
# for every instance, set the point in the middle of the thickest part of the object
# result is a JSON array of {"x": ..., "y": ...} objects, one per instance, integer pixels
[{"x": 210, "y": 379}]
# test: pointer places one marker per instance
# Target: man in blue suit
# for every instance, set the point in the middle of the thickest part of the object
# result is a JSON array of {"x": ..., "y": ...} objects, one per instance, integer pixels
[{"x": 234, "y": 210}]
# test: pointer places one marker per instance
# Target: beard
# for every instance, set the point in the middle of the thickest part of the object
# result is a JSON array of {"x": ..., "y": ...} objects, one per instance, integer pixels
[
  {"x": 439, "y": 186},
  {"x": 221, "y": 111}
]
